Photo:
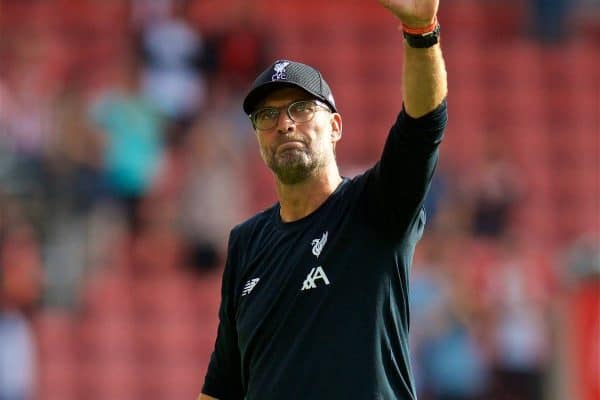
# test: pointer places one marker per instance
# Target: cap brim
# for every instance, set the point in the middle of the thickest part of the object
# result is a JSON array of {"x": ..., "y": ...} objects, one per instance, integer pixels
[{"x": 257, "y": 94}]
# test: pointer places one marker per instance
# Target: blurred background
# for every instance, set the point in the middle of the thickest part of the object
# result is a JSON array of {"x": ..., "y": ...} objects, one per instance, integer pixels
[{"x": 125, "y": 159}]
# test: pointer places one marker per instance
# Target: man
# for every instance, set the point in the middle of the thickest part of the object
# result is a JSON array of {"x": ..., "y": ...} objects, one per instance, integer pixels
[{"x": 314, "y": 296}]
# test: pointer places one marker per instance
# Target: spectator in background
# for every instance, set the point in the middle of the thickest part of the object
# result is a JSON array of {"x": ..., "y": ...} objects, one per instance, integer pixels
[
  {"x": 519, "y": 288},
  {"x": 25, "y": 114},
  {"x": 20, "y": 285},
  {"x": 214, "y": 196},
  {"x": 236, "y": 54},
  {"x": 449, "y": 362},
  {"x": 74, "y": 161},
  {"x": 133, "y": 139},
  {"x": 172, "y": 75},
  {"x": 495, "y": 188},
  {"x": 240, "y": 50},
  {"x": 74, "y": 188}
]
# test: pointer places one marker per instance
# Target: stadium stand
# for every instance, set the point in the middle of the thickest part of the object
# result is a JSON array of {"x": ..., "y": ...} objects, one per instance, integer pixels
[{"x": 149, "y": 335}]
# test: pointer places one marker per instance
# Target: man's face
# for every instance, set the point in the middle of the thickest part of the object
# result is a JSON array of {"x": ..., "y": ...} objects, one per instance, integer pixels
[{"x": 295, "y": 151}]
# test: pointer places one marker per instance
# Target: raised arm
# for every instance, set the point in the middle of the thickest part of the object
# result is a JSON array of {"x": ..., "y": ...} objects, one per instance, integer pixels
[{"x": 424, "y": 73}]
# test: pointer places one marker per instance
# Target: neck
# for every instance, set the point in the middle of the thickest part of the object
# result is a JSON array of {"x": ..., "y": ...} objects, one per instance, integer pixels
[{"x": 301, "y": 199}]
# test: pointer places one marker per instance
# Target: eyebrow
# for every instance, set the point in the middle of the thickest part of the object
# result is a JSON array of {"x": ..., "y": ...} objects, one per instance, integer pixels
[{"x": 264, "y": 105}]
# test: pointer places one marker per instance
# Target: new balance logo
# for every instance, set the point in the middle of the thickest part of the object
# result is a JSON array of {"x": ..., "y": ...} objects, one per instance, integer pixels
[
  {"x": 318, "y": 244},
  {"x": 311, "y": 280},
  {"x": 249, "y": 286}
]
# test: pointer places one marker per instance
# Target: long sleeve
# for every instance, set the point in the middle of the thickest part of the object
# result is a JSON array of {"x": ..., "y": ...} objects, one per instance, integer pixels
[
  {"x": 398, "y": 183},
  {"x": 223, "y": 378}
]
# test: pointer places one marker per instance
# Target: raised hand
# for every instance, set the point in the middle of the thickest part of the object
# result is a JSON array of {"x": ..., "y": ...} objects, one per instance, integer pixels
[{"x": 413, "y": 13}]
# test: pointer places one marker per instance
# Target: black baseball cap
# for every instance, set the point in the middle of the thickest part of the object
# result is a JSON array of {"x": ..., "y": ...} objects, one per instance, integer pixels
[{"x": 286, "y": 73}]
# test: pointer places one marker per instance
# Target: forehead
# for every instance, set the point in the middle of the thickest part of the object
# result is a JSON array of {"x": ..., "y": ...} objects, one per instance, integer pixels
[{"x": 284, "y": 96}]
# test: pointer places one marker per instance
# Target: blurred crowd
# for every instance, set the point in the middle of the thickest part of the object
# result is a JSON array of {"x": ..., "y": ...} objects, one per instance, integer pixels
[
  {"x": 131, "y": 151},
  {"x": 150, "y": 136}
]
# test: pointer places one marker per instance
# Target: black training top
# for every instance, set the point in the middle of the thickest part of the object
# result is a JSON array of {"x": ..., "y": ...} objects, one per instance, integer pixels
[{"x": 318, "y": 308}]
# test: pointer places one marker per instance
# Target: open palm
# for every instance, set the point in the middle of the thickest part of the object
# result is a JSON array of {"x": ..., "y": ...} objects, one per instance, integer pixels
[{"x": 413, "y": 13}]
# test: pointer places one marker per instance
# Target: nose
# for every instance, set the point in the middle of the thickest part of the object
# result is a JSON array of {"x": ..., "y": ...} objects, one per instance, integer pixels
[{"x": 285, "y": 124}]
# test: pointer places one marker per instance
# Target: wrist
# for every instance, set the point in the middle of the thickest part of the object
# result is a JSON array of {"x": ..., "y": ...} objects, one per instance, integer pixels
[
  {"x": 419, "y": 27},
  {"x": 422, "y": 36}
]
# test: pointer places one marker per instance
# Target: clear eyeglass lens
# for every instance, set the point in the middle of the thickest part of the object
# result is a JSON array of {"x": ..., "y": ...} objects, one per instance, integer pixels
[
  {"x": 300, "y": 111},
  {"x": 266, "y": 117}
]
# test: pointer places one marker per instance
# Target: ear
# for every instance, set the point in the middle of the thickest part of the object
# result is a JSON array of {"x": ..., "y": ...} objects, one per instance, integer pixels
[{"x": 336, "y": 127}]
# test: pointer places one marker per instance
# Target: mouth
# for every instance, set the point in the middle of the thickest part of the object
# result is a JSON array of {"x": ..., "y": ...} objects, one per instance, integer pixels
[{"x": 291, "y": 145}]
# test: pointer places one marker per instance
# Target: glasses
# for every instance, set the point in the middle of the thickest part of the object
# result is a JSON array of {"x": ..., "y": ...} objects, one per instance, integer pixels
[{"x": 299, "y": 111}]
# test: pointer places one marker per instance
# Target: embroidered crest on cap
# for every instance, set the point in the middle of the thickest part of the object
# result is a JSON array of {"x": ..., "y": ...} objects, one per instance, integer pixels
[{"x": 279, "y": 69}]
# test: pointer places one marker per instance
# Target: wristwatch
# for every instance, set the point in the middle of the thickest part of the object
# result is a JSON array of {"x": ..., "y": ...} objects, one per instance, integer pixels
[{"x": 423, "y": 40}]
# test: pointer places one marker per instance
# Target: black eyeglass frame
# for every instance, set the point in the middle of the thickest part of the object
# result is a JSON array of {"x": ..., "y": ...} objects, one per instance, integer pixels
[{"x": 314, "y": 102}]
